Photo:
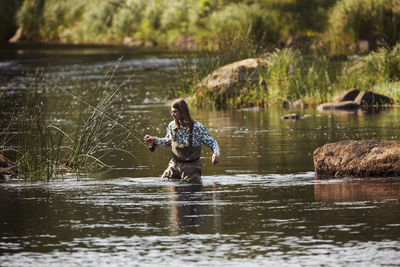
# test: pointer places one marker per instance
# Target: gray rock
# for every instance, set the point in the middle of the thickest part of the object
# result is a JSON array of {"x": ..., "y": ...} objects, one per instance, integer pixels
[
  {"x": 227, "y": 78},
  {"x": 365, "y": 158}
]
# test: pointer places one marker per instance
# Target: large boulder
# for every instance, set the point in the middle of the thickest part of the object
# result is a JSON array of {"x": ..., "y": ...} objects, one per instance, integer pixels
[
  {"x": 365, "y": 158},
  {"x": 226, "y": 79}
]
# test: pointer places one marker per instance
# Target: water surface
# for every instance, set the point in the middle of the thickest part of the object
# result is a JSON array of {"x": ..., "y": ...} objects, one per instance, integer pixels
[{"x": 261, "y": 206}]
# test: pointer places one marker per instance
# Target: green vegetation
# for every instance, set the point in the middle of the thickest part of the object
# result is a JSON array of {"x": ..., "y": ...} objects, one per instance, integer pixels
[
  {"x": 165, "y": 21},
  {"x": 379, "y": 71},
  {"x": 293, "y": 75},
  {"x": 372, "y": 20},
  {"x": 335, "y": 22},
  {"x": 38, "y": 144},
  {"x": 42, "y": 148}
]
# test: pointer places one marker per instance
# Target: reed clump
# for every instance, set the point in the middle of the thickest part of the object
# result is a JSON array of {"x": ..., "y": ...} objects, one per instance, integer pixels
[
  {"x": 37, "y": 141},
  {"x": 94, "y": 132},
  {"x": 43, "y": 148}
]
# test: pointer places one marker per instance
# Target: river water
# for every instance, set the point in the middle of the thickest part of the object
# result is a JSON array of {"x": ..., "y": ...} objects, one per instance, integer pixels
[{"x": 261, "y": 206}]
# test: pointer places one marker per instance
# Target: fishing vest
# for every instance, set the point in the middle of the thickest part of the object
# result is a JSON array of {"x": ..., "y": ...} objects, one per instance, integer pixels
[{"x": 183, "y": 153}]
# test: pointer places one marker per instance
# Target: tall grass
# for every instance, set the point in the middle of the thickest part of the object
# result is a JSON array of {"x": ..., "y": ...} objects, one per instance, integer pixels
[
  {"x": 43, "y": 148},
  {"x": 314, "y": 77},
  {"x": 6, "y": 135},
  {"x": 293, "y": 75},
  {"x": 379, "y": 71},
  {"x": 38, "y": 144},
  {"x": 94, "y": 132},
  {"x": 372, "y": 20}
]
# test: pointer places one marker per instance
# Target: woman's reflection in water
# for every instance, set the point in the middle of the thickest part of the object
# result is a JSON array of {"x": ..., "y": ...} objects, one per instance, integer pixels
[{"x": 186, "y": 214}]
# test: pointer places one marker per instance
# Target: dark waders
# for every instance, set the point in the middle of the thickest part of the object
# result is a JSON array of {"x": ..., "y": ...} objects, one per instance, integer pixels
[{"x": 185, "y": 164}]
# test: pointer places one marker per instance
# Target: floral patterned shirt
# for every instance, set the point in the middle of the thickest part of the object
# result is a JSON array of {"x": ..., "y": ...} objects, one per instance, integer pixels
[{"x": 200, "y": 136}]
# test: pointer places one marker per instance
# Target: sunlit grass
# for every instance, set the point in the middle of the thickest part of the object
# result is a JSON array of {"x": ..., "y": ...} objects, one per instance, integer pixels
[{"x": 311, "y": 76}]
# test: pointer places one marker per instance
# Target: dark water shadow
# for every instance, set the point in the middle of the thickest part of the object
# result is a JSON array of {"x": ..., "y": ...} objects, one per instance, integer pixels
[
  {"x": 365, "y": 189},
  {"x": 186, "y": 208},
  {"x": 363, "y": 111}
]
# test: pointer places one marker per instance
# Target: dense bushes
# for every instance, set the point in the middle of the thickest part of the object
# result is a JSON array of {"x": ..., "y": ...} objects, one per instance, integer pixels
[
  {"x": 164, "y": 21},
  {"x": 371, "y": 20}
]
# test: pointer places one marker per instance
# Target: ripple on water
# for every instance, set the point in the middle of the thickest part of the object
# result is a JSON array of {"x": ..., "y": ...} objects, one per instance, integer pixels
[
  {"x": 206, "y": 250},
  {"x": 242, "y": 219}
]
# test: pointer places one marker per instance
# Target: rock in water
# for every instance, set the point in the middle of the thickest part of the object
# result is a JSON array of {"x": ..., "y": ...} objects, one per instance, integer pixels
[
  {"x": 8, "y": 168},
  {"x": 365, "y": 158},
  {"x": 345, "y": 105},
  {"x": 292, "y": 116}
]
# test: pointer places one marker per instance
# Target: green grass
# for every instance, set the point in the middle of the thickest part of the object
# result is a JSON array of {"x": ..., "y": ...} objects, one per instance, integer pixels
[{"x": 293, "y": 75}]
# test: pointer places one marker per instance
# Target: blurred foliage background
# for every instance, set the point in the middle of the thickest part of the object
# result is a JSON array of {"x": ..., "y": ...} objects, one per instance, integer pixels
[{"x": 335, "y": 23}]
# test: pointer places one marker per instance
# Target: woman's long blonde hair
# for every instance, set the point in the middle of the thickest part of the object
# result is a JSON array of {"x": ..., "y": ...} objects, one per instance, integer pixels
[{"x": 182, "y": 107}]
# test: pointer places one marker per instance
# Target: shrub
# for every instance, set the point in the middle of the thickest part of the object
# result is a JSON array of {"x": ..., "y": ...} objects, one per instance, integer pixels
[
  {"x": 293, "y": 75},
  {"x": 379, "y": 71},
  {"x": 372, "y": 20}
]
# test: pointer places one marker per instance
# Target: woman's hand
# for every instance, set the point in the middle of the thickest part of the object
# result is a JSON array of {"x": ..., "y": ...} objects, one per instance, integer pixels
[
  {"x": 215, "y": 159},
  {"x": 149, "y": 139}
]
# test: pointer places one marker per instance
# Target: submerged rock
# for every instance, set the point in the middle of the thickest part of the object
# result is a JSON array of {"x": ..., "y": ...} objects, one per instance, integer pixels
[
  {"x": 365, "y": 158},
  {"x": 292, "y": 116},
  {"x": 345, "y": 105}
]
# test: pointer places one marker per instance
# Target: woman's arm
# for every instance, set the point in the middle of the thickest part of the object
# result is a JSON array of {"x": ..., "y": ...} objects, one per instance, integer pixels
[
  {"x": 209, "y": 141},
  {"x": 161, "y": 142}
]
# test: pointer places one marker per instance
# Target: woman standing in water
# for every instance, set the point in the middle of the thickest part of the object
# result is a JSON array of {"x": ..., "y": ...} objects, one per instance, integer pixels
[{"x": 185, "y": 136}]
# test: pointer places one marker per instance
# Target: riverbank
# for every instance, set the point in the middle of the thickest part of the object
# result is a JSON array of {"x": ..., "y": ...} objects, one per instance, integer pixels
[{"x": 289, "y": 76}]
